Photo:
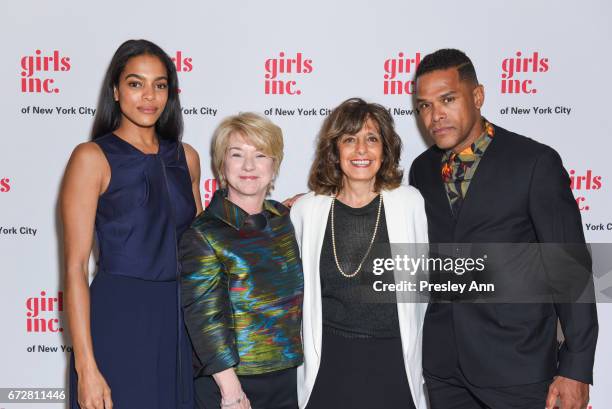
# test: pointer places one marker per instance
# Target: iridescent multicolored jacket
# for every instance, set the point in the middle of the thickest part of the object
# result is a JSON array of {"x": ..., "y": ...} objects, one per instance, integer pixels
[{"x": 242, "y": 288}]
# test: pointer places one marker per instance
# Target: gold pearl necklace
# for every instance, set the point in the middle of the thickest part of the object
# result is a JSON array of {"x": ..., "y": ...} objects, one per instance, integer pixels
[{"x": 351, "y": 275}]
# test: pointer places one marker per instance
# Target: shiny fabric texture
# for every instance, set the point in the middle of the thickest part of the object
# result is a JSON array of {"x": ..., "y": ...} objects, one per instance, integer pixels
[{"x": 242, "y": 289}]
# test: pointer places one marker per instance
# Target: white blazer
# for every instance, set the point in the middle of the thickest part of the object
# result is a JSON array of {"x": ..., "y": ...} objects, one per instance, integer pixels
[{"x": 406, "y": 223}]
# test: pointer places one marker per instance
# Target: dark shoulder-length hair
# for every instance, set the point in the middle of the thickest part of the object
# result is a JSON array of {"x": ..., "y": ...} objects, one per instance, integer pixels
[
  {"x": 348, "y": 119},
  {"x": 108, "y": 115}
]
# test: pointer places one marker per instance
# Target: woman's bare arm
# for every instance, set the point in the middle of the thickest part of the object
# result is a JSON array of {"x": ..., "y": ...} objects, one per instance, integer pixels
[
  {"x": 193, "y": 163},
  {"x": 87, "y": 176}
]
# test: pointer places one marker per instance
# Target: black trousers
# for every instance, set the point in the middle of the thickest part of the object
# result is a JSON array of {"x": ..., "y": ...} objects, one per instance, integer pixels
[
  {"x": 274, "y": 390},
  {"x": 360, "y": 373},
  {"x": 457, "y": 392}
]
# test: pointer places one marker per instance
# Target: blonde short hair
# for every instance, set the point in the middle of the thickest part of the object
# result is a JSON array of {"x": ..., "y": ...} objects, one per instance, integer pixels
[{"x": 257, "y": 130}]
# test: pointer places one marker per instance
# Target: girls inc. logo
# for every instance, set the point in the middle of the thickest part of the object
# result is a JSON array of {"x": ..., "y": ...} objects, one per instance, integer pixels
[
  {"x": 183, "y": 64},
  {"x": 398, "y": 71},
  {"x": 42, "y": 313},
  {"x": 288, "y": 67},
  {"x": 210, "y": 187},
  {"x": 587, "y": 182},
  {"x": 520, "y": 64},
  {"x": 33, "y": 66},
  {"x": 5, "y": 185}
]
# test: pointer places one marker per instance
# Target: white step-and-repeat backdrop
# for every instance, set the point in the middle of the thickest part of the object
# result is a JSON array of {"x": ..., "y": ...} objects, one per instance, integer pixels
[{"x": 545, "y": 66}]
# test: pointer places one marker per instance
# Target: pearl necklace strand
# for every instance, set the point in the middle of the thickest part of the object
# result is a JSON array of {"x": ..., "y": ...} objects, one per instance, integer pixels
[{"x": 351, "y": 275}]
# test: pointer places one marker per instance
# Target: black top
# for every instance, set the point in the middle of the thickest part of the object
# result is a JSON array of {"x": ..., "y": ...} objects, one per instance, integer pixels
[{"x": 350, "y": 305}]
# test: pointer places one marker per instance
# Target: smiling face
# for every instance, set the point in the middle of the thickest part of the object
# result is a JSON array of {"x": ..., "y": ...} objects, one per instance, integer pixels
[
  {"x": 142, "y": 91},
  {"x": 247, "y": 171},
  {"x": 361, "y": 154},
  {"x": 450, "y": 108}
]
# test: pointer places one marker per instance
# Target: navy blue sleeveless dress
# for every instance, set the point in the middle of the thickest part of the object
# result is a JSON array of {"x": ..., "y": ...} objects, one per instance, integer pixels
[{"x": 139, "y": 339}]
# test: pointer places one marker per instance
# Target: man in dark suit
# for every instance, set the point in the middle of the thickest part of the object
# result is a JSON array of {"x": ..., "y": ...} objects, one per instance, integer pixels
[{"x": 484, "y": 184}]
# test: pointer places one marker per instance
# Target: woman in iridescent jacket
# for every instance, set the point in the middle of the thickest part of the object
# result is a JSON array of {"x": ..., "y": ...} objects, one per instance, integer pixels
[{"x": 242, "y": 279}]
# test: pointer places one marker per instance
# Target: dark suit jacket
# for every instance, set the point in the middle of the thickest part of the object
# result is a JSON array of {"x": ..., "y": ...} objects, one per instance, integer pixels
[{"x": 519, "y": 194}]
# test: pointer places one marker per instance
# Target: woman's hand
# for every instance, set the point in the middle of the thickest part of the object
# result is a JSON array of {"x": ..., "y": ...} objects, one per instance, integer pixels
[
  {"x": 290, "y": 201},
  {"x": 94, "y": 392},
  {"x": 232, "y": 396},
  {"x": 242, "y": 402}
]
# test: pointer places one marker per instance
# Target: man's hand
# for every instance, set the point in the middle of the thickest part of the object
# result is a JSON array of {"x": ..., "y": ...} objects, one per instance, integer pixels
[{"x": 572, "y": 394}]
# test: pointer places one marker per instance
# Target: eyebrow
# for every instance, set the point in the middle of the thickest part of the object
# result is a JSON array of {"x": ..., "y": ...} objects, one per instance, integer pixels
[
  {"x": 370, "y": 133},
  {"x": 140, "y": 77},
  {"x": 448, "y": 94}
]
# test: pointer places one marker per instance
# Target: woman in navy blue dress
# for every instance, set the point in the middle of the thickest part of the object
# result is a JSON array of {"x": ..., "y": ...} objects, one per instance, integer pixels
[{"x": 136, "y": 186}]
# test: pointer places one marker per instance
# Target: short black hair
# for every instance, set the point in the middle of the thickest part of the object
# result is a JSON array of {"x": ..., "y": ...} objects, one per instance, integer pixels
[
  {"x": 448, "y": 58},
  {"x": 108, "y": 114}
]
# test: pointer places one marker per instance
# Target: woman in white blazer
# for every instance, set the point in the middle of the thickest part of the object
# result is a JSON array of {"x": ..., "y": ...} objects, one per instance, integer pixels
[{"x": 358, "y": 354}]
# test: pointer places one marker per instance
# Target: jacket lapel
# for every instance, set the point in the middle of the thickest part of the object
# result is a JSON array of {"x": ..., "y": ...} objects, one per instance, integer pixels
[
  {"x": 318, "y": 223},
  {"x": 432, "y": 188},
  {"x": 483, "y": 179},
  {"x": 439, "y": 191},
  {"x": 409, "y": 316}
]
